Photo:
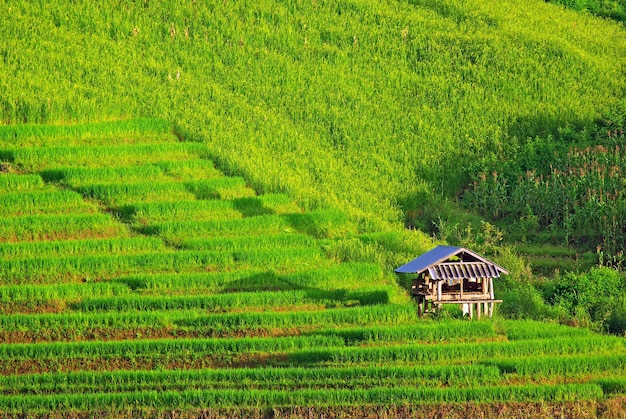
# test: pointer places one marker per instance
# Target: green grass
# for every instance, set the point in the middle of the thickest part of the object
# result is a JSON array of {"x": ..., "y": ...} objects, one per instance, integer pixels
[
  {"x": 35, "y": 159},
  {"x": 10, "y": 183},
  {"x": 339, "y": 81},
  {"x": 59, "y": 227},
  {"x": 130, "y": 245},
  {"x": 165, "y": 347},
  {"x": 251, "y": 398},
  {"x": 62, "y": 292},
  {"x": 43, "y": 202},
  {"x": 231, "y": 378},
  {"x": 33, "y": 135},
  {"x": 250, "y": 177}
]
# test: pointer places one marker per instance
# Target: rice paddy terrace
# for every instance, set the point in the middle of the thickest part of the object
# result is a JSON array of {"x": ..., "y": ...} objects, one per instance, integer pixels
[{"x": 136, "y": 277}]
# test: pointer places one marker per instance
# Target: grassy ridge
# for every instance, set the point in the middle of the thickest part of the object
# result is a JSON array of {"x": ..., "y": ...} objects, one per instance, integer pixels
[
  {"x": 398, "y": 395},
  {"x": 344, "y": 116},
  {"x": 462, "y": 80}
]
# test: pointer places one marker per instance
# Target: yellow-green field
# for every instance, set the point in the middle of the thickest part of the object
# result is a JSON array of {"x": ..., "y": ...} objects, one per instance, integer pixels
[
  {"x": 156, "y": 282},
  {"x": 202, "y": 204}
]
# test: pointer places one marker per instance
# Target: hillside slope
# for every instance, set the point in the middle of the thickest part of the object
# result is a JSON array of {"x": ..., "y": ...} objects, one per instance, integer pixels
[
  {"x": 137, "y": 279},
  {"x": 369, "y": 106}
]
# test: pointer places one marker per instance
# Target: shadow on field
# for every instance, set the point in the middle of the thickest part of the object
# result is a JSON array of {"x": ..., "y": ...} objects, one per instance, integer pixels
[
  {"x": 250, "y": 207},
  {"x": 269, "y": 281}
]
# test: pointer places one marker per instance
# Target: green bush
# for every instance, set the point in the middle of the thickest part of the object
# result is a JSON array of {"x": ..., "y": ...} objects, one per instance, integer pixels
[
  {"x": 593, "y": 294},
  {"x": 616, "y": 322}
]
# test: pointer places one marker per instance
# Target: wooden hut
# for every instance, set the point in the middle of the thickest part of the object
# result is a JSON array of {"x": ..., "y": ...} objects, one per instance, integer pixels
[{"x": 453, "y": 275}]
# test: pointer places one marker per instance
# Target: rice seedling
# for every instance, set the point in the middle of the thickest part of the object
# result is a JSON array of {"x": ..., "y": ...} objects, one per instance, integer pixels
[
  {"x": 42, "y": 158},
  {"x": 44, "y": 202},
  {"x": 459, "y": 352},
  {"x": 363, "y": 316},
  {"x": 115, "y": 195},
  {"x": 59, "y": 227},
  {"x": 65, "y": 248},
  {"x": 266, "y": 378},
  {"x": 274, "y": 241},
  {"x": 88, "y": 268},
  {"x": 324, "y": 397},
  {"x": 163, "y": 347},
  {"x": 76, "y": 177},
  {"x": 62, "y": 292},
  {"x": 11, "y": 183},
  {"x": 189, "y": 170},
  {"x": 100, "y": 133},
  {"x": 563, "y": 366}
]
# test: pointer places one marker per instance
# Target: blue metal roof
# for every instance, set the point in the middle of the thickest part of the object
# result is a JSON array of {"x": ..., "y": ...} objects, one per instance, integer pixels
[
  {"x": 440, "y": 254},
  {"x": 432, "y": 257}
]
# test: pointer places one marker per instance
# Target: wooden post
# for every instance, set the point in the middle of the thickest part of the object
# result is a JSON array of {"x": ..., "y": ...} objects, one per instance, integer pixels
[
  {"x": 461, "y": 289},
  {"x": 479, "y": 308},
  {"x": 439, "y": 288},
  {"x": 492, "y": 295},
  {"x": 419, "y": 308}
]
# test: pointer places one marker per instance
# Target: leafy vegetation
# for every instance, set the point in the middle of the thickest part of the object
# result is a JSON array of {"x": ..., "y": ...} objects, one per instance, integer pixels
[
  {"x": 613, "y": 9},
  {"x": 225, "y": 235}
]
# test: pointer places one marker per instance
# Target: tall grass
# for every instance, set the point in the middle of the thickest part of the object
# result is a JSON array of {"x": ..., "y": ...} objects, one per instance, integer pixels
[
  {"x": 361, "y": 316},
  {"x": 177, "y": 231},
  {"x": 319, "y": 224},
  {"x": 226, "y": 302},
  {"x": 273, "y": 241},
  {"x": 459, "y": 352},
  {"x": 189, "y": 169},
  {"x": 120, "y": 381},
  {"x": 59, "y": 227},
  {"x": 580, "y": 199},
  {"x": 147, "y": 213},
  {"x": 163, "y": 347},
  {"x": 99, "y": 266},
  {"x": 208, "y": 210},
  {"x": 19, "y": 183},
  {"x": 353, "y": 276},
  {"x": 61, "y": 292},
  {"x": 563, "y": 366},
  {"x": 36, "y": 159},
  {"x": 342, "y": 397},
  {"x": 82, "y": 176},
  {"x": 33, "y": 135},
  {"x": 531, "y": 329},
  {"x": 514, "y": 76},
  {"x": 44, "y": 202},
  {"x": 125, "y": 193},
  {"x": 188, "y": 315},
  {"x": 44, "y": 249}
]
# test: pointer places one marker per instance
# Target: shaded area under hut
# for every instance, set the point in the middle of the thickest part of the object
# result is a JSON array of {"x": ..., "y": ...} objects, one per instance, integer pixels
[{"x": 453, "y": 275}]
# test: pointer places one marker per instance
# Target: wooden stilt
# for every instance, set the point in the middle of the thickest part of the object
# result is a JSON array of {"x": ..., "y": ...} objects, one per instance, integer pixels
[
  {"x": 479, "y": 309},
  {"x": 471, "y": 310}
]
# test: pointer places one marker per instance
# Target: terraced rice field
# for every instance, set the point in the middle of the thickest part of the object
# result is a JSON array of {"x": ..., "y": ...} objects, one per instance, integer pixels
[{"x": 135, "y": 274}]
